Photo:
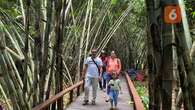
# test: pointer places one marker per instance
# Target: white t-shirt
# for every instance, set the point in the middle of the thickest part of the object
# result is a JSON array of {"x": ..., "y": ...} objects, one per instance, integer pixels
[{"x": 92, "y": 70}]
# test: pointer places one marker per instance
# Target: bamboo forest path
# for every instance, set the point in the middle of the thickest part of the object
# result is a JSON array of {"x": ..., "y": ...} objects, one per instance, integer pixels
[
  {"x": 76, "y": 98},
  {"x": 123, "y": 101}
]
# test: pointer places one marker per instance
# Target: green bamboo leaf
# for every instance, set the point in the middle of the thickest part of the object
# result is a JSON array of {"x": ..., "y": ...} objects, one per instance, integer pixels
[
  {"x": 193, "y": 14},
  {"x": 114, "y": 2}
]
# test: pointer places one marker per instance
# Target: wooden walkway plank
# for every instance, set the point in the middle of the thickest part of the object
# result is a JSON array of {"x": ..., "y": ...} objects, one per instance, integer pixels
[{"x": 123, "y": 102}]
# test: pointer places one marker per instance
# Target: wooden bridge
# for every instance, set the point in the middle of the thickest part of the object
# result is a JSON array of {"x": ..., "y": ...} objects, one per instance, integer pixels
[{"x": 128, "y": 96}]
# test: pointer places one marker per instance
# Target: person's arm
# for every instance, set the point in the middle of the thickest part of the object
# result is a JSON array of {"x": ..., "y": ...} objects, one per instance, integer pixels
[
  {"x": 110, "y": 83},
  {"x": 106, "y": 60},
  {"x": 119, "y": 84},
  {"x": 107, "y": 64},
  {"x": 85, "y": 68},
  {"x": 119, "y": 63},
  {"x": 100, "y": 67}
]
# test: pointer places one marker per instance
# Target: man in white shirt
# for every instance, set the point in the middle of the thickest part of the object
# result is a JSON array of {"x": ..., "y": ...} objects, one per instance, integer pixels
[{"x": 92, "y": 73}]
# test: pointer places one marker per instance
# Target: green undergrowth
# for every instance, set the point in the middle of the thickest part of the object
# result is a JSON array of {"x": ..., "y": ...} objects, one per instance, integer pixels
[{"x": 143, "y": 93}]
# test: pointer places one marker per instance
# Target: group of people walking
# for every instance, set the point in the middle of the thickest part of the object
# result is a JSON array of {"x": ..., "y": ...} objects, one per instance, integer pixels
[{"x": 104, "y": 70}]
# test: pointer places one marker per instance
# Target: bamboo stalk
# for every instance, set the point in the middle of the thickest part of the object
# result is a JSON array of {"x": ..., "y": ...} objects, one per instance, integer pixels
[
  {"x": 81, "y": 43},
  {"x": 5, "y": 98},
  {"x": 185, "y": 24}
]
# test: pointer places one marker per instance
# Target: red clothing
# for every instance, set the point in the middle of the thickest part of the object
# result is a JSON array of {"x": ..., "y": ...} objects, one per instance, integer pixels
[
  {"x": 113, "y": 65},
  {"x": 104, "y": 59}
]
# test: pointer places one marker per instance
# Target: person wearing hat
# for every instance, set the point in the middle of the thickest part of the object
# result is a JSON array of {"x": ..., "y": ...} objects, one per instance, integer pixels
[{"x": 92, "y": 73}]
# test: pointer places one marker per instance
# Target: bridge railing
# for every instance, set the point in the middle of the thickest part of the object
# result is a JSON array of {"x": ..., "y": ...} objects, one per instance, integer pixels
[
  {"x": 137, "y": 101},
  {"x": 138, "y": 105},
  {"x": 54, "y": 98}
]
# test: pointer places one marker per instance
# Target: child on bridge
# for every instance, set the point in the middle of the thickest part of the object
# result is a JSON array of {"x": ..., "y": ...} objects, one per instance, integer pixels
[{"x": 115, "y": 87}]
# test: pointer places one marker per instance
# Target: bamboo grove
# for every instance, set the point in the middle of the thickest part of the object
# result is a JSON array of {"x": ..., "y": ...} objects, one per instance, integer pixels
[{"x": 43, "y": 44}]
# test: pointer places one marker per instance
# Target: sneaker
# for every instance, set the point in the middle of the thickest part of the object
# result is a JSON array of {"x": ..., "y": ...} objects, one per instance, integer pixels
[
  {"x": 104, "y": 90},
  {"x": 93, "y": 102},
  {"x": 85, "y": 102},
  {"x": 107, "y": 100},
  {"x": 115, "y": 108},
  {"x": 111, "y": 108}
]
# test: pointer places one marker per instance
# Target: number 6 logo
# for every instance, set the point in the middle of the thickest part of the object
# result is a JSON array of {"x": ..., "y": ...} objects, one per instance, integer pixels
[{"x": 172, "y": 14}]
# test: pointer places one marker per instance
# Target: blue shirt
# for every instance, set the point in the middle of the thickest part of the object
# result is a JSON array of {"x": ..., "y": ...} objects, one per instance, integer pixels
[{"x": 92, "y": 70}]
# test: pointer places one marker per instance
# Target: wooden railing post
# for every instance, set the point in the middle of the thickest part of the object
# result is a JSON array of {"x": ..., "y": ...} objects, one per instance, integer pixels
[
  {"x": 71, "y": 96},
  {"x": 83, "y": 85},
  {"x": 78, "y": 91},
  {"x": 53, "y": 106}
]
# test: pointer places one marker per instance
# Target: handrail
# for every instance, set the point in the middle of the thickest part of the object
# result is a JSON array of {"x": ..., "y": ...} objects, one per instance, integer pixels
[
  {"x": 57, "y": 96},
  {"x": 137, "y": 101}
]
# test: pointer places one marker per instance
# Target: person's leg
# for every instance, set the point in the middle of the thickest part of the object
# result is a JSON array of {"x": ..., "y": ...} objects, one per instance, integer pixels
[
  {"x": 100, "y": 84},
  {"x": 94, "y": 87},
  {"x": 115, "y": 98},
  {"x": 86, "y": 87},
  {"x": 111, "y": 103},
  {"x": 108, "y": 76},
  {"x": 111, "y": 93},
  {"x": 104, "y": 85},
  {"x": 104, "y": 80}
]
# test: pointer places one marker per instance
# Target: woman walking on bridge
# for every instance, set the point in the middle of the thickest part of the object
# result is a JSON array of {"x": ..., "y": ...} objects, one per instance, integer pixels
[
  {"x": 92, "y": 73},
  {"x": 113, "y": 66}
]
